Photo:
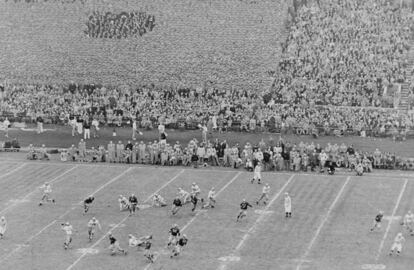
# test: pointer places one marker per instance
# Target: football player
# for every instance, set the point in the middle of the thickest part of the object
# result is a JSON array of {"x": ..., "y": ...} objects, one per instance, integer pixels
[
  {"x": 92, "y": 224},
  {"x": 243, "y": 209}
]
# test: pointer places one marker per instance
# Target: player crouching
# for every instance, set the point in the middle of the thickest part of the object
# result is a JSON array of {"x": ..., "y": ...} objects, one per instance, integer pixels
[
  {"x": 397, "y": 245},
  {"x": 174, "y": 234},
  {"x": 114, "y": 245},
  {"x": 359, "y": 169},
  {"x": 123, "y": 203},
  {"x": 179, "y": 246},
  {"x": 158, "y": 201},
  {"x": 177, "y": 204}
]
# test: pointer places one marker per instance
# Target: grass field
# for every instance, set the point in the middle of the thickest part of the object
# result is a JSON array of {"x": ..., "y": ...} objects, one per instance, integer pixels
[{"x": 329, "y": 228}]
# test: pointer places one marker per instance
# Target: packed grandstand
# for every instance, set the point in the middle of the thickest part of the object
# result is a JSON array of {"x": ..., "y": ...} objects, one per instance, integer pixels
[
  {"x": 270, "y": 86},
  {"x": 340, "y": 73}
]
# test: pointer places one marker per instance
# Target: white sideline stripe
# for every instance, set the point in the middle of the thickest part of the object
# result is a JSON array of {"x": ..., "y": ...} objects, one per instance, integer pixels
[
  {"x": 14, "y": 170},
  {"x": 122, "y": 221},
  {"x": 381, "y": 246},
  {"x": 192, "y": 220},
  {"x": 54, "y": 180},
  {"x": 318, "y": 231},
  {"x": 259, "y": 220},
  {"x": 60, "y": 217}
]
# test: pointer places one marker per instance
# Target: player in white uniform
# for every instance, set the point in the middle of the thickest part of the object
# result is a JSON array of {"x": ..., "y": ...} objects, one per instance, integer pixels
[
  {"x": 211, "y": 197},
  {"x": 3, "y": 227},
  {"x": 195, "y": 189},
  {"x": 397, "y": 245},
  {"x": 158, "y": 201},
  {"x": 184, "y": 195},
  {"x": 123, "y": 203},
  {"x": 134, "y": 241},
  {"x": 265, "y": 194},
  {"x": 47, "y": 190},
  {"x": 68, "y": 230},
  {"x": 288, "y": 205},
  {"x": 91, "y": 227},
  {"x": 408, "y": 222},
  {"x": 257, "y": 174}
]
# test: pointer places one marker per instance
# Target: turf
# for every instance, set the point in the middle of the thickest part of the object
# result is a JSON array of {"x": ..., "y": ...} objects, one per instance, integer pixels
[{"x": 338, "y": 222}]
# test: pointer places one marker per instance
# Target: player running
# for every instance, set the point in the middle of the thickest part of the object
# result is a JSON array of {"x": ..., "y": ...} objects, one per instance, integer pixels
[
  {"x": 265, "y": 194},
  {"x": 288, "y": 205},
  {"x": 176, "y": 205},
  {"x": 123, "y": 203},
  {"x": 184, "y": 195},
  {"x": 114, "y": 245},
  {"x": 174, "y": 234},
  {"x": 179, "y": 246},
  {"x": 243, "y": 209},
  {"x": 3, "y": 227},
  {"x": 147, "y": 247},
  {"x": 211, "y": 197},
  {"x": 257, "y": 174},
  {"x": 194, "y": 201},
  {"x": 195, "y": 189},
  {"x": 87, "y": 203},
  {"x": 133, "y": 202},
  {"x": 397, "y": 245},
  {"x": 377, "y": 221},
  {"x": 408, "y": 222},
  {"x": 47, "y": 190},
  {"x": 158, "y": 201},
  {"x": 92, "y": 227},
  {"x": 68, "y": 230}
]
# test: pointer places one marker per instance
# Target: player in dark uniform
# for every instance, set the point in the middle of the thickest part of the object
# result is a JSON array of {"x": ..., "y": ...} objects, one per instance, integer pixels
[
  {"x": 174, "y": 234},
  {"x": 179, "y": 246},
  {"x": 194, "y": 200},
  {"x": 147, "y": 247},
  {"x": 243, "y": 209},
  {"x": 177, "y": 204},
  {"x": 86, "y": 204},
  {"x": 133, "y": 202},
  {"x": 377, "y": 221},
  {"x": 114, "y": 245}
]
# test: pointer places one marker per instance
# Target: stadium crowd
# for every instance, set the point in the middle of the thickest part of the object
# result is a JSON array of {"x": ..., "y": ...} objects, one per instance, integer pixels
[
  {"x": 344, "y": 53},
  {"x": 185, "y": 108}
]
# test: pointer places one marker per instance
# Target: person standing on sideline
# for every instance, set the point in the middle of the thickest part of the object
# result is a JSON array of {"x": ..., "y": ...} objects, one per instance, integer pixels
[
  {"x": 288, "y": 205},
  {"x": 39, "y": 121},
  {"x": 86, "y": 130}
]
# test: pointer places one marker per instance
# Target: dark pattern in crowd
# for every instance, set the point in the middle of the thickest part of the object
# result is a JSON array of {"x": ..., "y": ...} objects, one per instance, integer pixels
[{"x": 119, "y": 25}]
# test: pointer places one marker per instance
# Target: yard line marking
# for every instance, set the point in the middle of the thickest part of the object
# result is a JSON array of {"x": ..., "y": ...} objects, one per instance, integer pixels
[
  {"x": 259, "y": 220},
  {"x": 54, "y": 180},
  {"x": 61, "y": 216},
  {"x": 192, "y": 220},
  {"x": 122, "y": 221},
  {"x": 14, "y": 170},
  {"x": 381, "y": 246},
  {"x": 318, "y": 231}
]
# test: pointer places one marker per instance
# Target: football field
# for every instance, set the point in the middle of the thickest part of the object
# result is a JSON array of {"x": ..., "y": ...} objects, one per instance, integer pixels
[{"x": 329, "y": 228}]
